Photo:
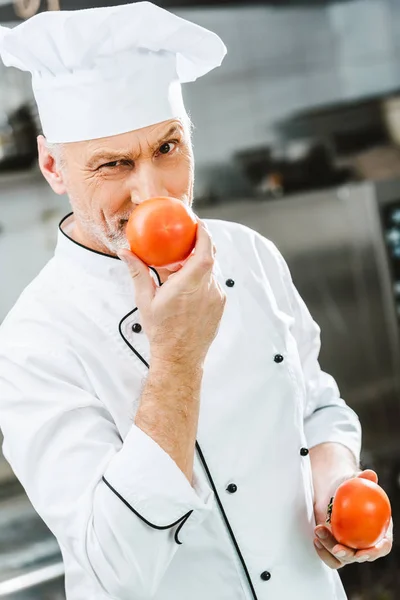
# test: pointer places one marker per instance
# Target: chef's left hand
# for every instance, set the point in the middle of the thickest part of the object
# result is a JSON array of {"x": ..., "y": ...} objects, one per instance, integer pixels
[{"x": 336, "y": 555}]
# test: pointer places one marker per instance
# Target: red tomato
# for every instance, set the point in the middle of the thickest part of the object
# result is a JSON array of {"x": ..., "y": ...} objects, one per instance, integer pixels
[
  {"x": 360, "y": 513},
  {"x": 162, "y": 231}
]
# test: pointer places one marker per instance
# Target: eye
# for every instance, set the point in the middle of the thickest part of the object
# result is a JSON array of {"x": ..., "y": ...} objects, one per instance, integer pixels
[
  {"x": 168, "y": 147},
  {"x": 114, "y": 164}
]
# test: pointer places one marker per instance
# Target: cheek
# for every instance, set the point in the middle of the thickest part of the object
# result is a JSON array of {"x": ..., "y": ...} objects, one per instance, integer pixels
[
  {"x": 97, "y": 194},
  {"x": 109, "y": 195},
  {"x": 179, "y": 178}
]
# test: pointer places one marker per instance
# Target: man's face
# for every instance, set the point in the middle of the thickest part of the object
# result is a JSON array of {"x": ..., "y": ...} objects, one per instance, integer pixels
[{"x": 107, "y": 178}]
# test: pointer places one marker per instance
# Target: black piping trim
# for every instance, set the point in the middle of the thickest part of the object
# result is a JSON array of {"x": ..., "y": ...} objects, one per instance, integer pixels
[
  {"x": 201, "y": 455},
  {"x": 204, "y": 463},
  {"x": 177, "y": 532},
  {"x": 157, "y": 275},
  {"x": 203, "y": 460},
  {"x": 127, "y": 342},
  {"x": 91, "y": 249},
  {"x": 182, "y": 520},
  {"x": 81, "y": 245},
  {"x": 140, "y": 357},
  {"x": 323, "y": 408}
]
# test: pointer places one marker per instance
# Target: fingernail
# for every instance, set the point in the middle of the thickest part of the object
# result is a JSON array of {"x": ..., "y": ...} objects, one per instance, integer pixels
[
  {"x": 318, "y": 544},
  {"x": 363, "y": 558},
  {"x": 322, "y": 534},
  {"x": 341, "y": 554}
]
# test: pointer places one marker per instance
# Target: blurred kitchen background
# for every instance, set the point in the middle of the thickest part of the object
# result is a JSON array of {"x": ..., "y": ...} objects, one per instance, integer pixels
[{"x": 298, "y": 136}]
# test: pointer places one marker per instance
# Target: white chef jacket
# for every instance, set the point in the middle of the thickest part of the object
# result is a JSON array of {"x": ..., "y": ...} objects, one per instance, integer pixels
[{"x": 73, "y": 361}]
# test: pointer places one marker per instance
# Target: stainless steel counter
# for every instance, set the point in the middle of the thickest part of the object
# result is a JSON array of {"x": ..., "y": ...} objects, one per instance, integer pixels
[{"x": 30, "y": 558}]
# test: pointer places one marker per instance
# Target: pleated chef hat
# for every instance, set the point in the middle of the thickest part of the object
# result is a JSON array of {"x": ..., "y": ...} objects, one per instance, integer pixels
[{"x": 104, "y": 71}]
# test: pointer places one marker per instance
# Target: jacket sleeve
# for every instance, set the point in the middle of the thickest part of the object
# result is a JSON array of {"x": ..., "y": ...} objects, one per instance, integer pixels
[
  {"x": 327, "y": 417},
  {"x": 120, "y": 507}
]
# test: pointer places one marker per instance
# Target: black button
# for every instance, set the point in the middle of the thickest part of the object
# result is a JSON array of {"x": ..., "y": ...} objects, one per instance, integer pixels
[
  {"x": 304, "y": 451},
  {"x": 278, "y": 358},
  {"x": 232, "y": 488},
  {"x": 266, "y": 576},
  {"x": 136, "y": 328},
  {"x": 230, "y": 282}
]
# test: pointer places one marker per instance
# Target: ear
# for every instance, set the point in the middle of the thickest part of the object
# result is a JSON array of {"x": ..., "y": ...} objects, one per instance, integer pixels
[{"x": 49, "y": 167}]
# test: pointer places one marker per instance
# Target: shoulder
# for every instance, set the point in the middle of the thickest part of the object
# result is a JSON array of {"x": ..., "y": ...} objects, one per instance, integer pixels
[
  {"x": 246, "y": 244},
  {"x": 255, "y": 257}
]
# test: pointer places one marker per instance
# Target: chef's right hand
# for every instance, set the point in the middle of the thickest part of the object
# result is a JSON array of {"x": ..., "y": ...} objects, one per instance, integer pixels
[{"x": 181, "y": 318}]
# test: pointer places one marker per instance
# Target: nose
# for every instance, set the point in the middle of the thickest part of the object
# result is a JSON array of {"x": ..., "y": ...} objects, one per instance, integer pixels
[{"x": 147, "y": 183}]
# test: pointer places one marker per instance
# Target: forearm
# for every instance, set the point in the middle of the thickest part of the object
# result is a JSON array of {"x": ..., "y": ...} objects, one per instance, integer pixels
[{"x": 169, "y": 411}]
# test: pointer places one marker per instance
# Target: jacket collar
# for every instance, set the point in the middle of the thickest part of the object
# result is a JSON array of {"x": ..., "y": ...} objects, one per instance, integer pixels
[{"x": 106, "y": 269}]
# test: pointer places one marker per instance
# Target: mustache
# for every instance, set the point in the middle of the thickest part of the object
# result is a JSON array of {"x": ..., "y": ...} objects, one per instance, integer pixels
[
  {"x": 119, "y": 223},
  {"x": 123, "y": 219}
]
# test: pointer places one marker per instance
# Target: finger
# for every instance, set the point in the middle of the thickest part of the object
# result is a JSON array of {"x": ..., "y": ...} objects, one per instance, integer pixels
[
  {"x": 343, "y": 553},
  {"x": 202, "y": 261},
  {"x": 204, "y": 247},
  {"x": 369, "y": 474},
  {"x": 326, "y": 556},
  {"x": 219, "y": 288},
  {"x": 145, "y": 286},
  {"x": 382, "y": 549},
  {"x": 389, "y": 533},
  {"x": 325, "y": 537}
]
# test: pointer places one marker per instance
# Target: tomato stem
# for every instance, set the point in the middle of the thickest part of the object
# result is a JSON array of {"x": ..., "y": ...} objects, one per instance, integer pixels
[{"x": 329, "y": 512}]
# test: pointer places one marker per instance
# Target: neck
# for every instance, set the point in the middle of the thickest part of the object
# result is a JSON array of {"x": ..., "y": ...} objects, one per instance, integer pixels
[{"x": 79, "y": 236}]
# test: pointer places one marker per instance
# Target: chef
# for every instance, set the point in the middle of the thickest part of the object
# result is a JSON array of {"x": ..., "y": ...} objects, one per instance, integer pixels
[{"x": 173, "y": 428}]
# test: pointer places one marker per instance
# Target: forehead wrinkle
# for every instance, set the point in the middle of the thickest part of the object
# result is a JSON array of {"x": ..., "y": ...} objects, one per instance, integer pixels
[{"x": 111, "y": 154}]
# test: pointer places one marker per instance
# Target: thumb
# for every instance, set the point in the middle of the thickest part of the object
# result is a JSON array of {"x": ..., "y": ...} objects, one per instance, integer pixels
[
  {"x": 143, "y": 282},
  {"x": 369, "y": 474}
]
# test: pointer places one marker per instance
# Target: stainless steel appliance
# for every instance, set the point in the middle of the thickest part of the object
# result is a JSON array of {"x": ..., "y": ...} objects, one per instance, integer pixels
[{"x": 343, "y": 249}]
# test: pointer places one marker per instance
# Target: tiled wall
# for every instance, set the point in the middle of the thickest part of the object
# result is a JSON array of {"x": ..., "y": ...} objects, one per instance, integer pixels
[
  {"x": 280, "y": 60},
  {"x": 14, "y": 88},
  {"x": 284, "y": 59}
]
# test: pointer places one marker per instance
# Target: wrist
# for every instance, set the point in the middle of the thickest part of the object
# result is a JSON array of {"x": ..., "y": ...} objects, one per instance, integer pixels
[
  {"x": 331, "y": 463},
  {"x": 183, "y": 369}
]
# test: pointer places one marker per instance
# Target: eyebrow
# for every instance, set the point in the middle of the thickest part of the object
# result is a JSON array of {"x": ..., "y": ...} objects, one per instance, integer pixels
[{"x": 105, "y": 156}]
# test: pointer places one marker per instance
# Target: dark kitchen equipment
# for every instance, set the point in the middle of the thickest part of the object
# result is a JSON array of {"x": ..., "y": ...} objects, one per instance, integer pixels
[
  {"x": 9, "y": 11},
  {"x": 348, "y": 126},
  {"x": 18, "y": 148},
  {"x": 291, "y": 167}
]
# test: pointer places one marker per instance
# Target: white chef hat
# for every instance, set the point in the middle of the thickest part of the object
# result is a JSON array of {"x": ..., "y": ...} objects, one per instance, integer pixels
[{"x": 104, "y": 71}]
